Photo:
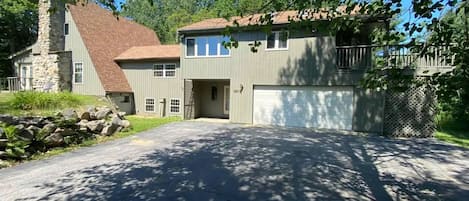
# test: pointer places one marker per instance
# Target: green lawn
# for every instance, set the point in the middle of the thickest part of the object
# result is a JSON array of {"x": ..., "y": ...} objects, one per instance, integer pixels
[
  {"x": 460, "y": 138},
  {"x": 451, "y": 130}
]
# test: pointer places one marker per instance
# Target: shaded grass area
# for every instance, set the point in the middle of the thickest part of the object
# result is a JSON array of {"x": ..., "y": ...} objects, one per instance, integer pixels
[
  {"x": 451, "y": 130},
  {"x": 43, "y": 104},
  {"x": 138, "y": 124}
]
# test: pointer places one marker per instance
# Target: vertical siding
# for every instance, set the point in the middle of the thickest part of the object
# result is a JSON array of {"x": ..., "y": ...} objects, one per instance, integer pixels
[
  {"x": 309, "y": 60},
  {"x": 73, "y": 42},
  {"x": 145, "y": 85}
]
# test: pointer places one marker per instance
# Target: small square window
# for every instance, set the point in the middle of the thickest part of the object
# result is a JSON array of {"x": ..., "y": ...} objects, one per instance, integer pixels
[
  {"x": 174, "y": 105},
  {"x": 277, "y": 40},
  {"x": 149, "y": 105},
  {"x": 126, "y": 99}
]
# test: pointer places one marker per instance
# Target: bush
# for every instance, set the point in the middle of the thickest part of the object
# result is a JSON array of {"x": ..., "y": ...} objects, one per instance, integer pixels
[{"x": 30, "y": 100}]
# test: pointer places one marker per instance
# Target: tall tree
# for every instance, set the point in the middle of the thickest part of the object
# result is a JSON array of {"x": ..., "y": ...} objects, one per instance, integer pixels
[{"x": 18, "y": 29}]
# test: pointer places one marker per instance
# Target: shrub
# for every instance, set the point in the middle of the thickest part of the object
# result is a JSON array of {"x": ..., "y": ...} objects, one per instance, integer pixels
[{"x": 30, "y": 100}]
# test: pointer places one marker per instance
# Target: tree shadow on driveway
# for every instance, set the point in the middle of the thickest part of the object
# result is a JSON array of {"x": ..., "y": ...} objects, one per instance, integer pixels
[{"x": 252, "y": 163}]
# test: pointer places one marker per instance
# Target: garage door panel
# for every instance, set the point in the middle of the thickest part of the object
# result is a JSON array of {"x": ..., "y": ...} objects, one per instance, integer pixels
[{"x": 319, "y": 107}]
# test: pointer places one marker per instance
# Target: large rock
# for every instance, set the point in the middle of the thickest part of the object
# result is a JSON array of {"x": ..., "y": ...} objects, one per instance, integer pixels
[
  {"x": 65, "y": 131},
  {"x": 85, "y": 116},
  {"x": 47, "y": 129},
  {"x": 119, "y": 122},
  {"x": 83, "y": 123},
  {"x": 8, "y": 119},
  {"x": 34, "y": 129},
  {"x": 23, "y": 134},
  {"x": 95, "y": 126},
  {"x": 102, "y": 113},
  {"x": 54, "y": 140},
  {"x": 70, "y": 115},
  {"x": 110, "y": 129}
]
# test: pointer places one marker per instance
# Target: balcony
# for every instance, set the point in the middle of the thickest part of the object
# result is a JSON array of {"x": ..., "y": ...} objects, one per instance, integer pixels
[
  {"x": 362, "y": 57},
  {"x": 12, "y": 84}
]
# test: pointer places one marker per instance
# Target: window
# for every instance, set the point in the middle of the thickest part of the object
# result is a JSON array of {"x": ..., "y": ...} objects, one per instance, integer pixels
[
  {"x": 278, "y": 40},
  {"x": 164, "y": 70},
  {"x": 174, "y": 105},
  {"x": 149, "y": 104},
  {"x": 126, "y": 99},
  {"x": 66, "y": 27},
  {"x": 78, "y": 73},
  {"x": 207, "y": 46},
  {"x": 190, "y": 47}
]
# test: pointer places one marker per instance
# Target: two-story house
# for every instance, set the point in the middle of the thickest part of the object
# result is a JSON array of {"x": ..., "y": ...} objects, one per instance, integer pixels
[
  {"x": 298, "y": 78},
  {"x": 292, "y": 79}
]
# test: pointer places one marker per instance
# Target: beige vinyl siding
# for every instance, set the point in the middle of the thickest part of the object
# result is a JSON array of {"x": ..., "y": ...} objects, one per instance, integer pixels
[
  {"x": 145, "y": 85},
  {"x": 309, "y": 60},
  {"x": 91, "y": 83}
]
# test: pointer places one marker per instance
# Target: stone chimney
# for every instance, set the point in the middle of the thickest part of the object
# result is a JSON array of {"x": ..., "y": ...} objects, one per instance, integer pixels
[{"x": 51, "y": 64}]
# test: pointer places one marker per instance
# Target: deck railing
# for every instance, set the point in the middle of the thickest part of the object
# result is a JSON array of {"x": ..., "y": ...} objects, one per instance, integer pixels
[
  {"x": 399, "y": 56},
  {"x": 13, "y": 84}
]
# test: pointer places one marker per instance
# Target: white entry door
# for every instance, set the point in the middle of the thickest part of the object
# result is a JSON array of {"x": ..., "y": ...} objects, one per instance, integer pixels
[{"x": 298, "y": 106}]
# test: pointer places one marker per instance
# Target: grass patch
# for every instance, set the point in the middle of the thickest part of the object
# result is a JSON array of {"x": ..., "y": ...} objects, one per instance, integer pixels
[
  {"x": 39, "y": 103},
  {"x": 138, "y": 123},
  {"x": 454, "y": 137},
  {"x": 451, "y": 130}
]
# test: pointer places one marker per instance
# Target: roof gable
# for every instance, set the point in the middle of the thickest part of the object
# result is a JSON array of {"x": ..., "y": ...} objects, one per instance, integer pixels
[{"x": 105, "y": 37}]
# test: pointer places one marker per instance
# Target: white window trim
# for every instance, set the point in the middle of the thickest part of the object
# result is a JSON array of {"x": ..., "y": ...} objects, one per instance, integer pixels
[
  {"x": 82, "y": 70},
  {"x": 277, "y": 35},
  {"x": 145, "y": 104},
  {"x": 164, "y": 70},
  {"x": 179, "y": 107},
  {"x": 219, "y": 44}
]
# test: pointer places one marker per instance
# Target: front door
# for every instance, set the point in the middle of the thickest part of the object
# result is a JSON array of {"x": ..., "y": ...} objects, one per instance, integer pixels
[
  {"x": 26, "y": 77},
  {"x": 226, "y": 100}
]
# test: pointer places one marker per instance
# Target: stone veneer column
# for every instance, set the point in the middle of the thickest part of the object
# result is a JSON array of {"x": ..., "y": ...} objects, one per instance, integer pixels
[{"x": 51, "y": 65}]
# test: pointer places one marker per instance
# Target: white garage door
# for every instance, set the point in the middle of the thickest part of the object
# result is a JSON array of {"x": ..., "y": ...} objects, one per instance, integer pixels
[{"x": 311, "y": 107}]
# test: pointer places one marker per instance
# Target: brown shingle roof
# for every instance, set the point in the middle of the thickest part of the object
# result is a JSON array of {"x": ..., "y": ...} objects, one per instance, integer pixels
[
  {"x": 279, "y": 18},
  {"x": 106, "y": 37},
  {"x": 150, "y": 52}
]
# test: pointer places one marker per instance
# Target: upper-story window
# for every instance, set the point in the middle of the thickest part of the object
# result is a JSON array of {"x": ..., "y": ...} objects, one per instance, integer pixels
[
  {"x": 164, "y": 70},
  {"x": 278, "y": 40},
  {"x": 66, "y": 29},
  {"x": 207, "y": 46}
]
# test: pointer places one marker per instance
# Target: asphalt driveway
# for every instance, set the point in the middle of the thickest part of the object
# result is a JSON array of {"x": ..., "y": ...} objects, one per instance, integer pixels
[{"x": 209, "y": 161}]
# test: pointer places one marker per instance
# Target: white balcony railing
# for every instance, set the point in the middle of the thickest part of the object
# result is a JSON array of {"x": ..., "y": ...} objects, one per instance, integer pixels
[{"x": 13, "y": 84}]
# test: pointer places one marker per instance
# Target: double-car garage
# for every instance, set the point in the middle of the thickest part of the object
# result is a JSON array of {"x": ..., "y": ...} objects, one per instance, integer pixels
[{"x": 328, "y": 107}]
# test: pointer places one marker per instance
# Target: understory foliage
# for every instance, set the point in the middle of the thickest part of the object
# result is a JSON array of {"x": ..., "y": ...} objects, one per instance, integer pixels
[
  {"x": 18, "y": 29},
  {"x": 29, "y": 100}
]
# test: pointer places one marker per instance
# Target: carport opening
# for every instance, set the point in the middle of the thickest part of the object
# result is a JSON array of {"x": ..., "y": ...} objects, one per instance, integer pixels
[{"x": 207, "y": 99}]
